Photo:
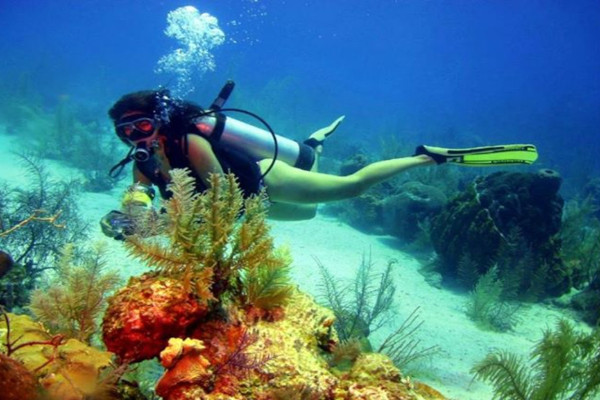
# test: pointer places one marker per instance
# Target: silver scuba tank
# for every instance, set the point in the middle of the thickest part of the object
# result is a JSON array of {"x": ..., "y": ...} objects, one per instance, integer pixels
[{"x": 257, "y": 143}]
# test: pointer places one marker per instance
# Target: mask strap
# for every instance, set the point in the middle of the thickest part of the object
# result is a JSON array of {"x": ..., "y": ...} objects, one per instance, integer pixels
[{"x": 116, "y": 170}]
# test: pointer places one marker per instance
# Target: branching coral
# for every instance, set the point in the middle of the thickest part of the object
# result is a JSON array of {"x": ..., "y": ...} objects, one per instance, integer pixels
[
  {"x": 368, "y": 309},
  {"x": 487, "y": 305},
  {"x": 73, "y": 300},
  {"x": 566, "y": 365}
]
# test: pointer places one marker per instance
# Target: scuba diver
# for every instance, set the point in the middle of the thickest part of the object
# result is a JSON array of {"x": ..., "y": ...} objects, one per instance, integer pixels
[{"x": 165, "y": 133}]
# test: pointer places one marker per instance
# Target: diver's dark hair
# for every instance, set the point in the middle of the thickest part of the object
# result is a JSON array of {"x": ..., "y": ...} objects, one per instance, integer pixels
[{"x": 150, "y": 102}]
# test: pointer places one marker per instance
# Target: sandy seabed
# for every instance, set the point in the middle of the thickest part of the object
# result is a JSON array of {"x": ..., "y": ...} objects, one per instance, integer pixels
[{"x": 340, "y": 248}]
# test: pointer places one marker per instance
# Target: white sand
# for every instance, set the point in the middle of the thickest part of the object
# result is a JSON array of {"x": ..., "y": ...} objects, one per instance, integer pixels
[{"x": 340, "y": 248}]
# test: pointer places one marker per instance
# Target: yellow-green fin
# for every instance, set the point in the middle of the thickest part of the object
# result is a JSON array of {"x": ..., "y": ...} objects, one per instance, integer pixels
[{"x": 509, "y": 154}]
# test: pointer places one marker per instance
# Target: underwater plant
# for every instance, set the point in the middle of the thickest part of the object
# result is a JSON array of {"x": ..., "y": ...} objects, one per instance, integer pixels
[
  {"x": 73, "y": 299},
  {"x": 37, "y": 221},
  {"x": 487, "y": 305},
  {"x": 368, "y": 309},
  {"x": 565, "y": 364},
  {"x": 208, "y": 244},
  {"x": 268, "y": 285}
]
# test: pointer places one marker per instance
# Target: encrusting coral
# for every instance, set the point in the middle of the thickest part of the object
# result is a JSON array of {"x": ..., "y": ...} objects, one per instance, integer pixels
[
  {"x": 63, "y": 368},
  {"x": 221, "y": 312}
]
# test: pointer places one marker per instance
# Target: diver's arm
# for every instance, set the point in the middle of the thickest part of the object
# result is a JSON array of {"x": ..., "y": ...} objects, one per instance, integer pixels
[{"x": 202, "y": 158}]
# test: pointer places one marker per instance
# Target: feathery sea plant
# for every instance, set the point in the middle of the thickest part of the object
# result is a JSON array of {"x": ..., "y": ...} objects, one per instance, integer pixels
[
  {"x": 371, "y": 302},
  {"x": 486, "y": 305},
  {"x": 565, "y": 364},
  {"x": 210, "y": 237},
  {"x": 268, "y": 285},
  {"x": 369, "y": 309},
  {"x": 580, "y": 236},
  {"x": 74, "y": 298}
]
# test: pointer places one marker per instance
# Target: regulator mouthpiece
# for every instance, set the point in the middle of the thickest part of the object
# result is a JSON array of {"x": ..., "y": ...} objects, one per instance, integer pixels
[{"x": 141, "y": 153}]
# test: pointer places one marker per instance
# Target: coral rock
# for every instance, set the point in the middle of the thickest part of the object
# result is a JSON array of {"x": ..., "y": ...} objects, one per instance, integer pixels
[
  {"x": 186, "y": 368},
  {"x": 144, "y": 315},
  {"x": 67, "y": 370},
  {"x": 16, "y": 382},
  {"x": 482, "y": 222},
  {"x": 414, "y": 202}
]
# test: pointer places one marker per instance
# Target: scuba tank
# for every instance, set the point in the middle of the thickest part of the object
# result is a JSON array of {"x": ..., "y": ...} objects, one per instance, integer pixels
[{"x": 257, "y": 143}]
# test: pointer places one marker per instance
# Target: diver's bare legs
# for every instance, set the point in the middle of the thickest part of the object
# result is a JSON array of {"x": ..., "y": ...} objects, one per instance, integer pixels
[
  {"x": 296, "y": 212},
  {"x": 287, "y": 184}
]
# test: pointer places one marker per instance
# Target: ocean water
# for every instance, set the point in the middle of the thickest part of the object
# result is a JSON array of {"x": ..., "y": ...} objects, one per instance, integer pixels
[{"x": 444, "y": 73}]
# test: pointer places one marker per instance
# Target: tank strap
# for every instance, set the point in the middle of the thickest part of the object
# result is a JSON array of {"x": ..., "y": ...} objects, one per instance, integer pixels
[{"x": 215, "y": 137}]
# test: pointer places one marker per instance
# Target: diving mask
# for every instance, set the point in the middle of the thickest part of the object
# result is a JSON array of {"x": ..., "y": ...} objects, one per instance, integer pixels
[{"x": 136, "y": 129}]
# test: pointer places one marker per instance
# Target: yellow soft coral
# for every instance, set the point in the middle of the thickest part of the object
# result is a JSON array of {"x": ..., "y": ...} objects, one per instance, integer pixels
[
  {"x": 208, "y": 241},
  {"x": 67, "y": 369}
]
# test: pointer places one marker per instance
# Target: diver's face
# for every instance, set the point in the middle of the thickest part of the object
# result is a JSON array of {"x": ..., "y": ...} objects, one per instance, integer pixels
[{"x": 136, "y": 128}]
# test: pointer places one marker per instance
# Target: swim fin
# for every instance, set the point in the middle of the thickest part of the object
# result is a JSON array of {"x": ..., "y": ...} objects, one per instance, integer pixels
[{"x": 508, "y": 154}]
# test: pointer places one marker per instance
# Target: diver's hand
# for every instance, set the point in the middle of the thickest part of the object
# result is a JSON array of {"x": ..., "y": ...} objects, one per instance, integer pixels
[{"x": 116, "y": 225}]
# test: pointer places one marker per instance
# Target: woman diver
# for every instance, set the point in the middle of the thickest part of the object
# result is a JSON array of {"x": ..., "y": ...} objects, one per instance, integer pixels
[{"x": 164, "y": 134}]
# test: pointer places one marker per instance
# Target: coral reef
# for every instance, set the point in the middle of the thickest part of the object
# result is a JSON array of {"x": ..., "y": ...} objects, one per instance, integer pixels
[
  {"x": 487, "y": 305},
  {"x": 511, "y": 219},
  {"x": 64, "y": 368},
  {"x": 591, "y": 190},
  {"x": 16, "y": 382},
  {"x": 222, "y": 314},
  {"x": 363, "y": 307},
  {"x": 145, "y": 314}
]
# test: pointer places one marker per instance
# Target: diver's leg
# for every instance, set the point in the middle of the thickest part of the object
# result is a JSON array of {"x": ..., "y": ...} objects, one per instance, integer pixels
[
  {"x": 291, "y": 212},
  {"x": 316, "y": 139},
  {"x": 292, "y": 185}
]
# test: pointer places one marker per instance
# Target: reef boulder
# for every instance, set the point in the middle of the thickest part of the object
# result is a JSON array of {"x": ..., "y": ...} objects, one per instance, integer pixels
[
  {"x": 143, "y": 316},
  {"x": 16, "y": 382},
  {"x": 510, "y": 219}
]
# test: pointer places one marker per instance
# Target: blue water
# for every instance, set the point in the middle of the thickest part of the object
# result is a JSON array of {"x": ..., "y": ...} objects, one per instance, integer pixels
[
  {"x": 485, "y": 71},
  {"x": 449, "y": 73}
]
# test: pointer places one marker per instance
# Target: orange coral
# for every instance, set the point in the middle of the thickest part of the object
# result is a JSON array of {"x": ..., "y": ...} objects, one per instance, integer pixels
[
  {"x": 143, "y": 316},
  {"x": 16, "y": 382},
  {"x": 186, "y": 367}
]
